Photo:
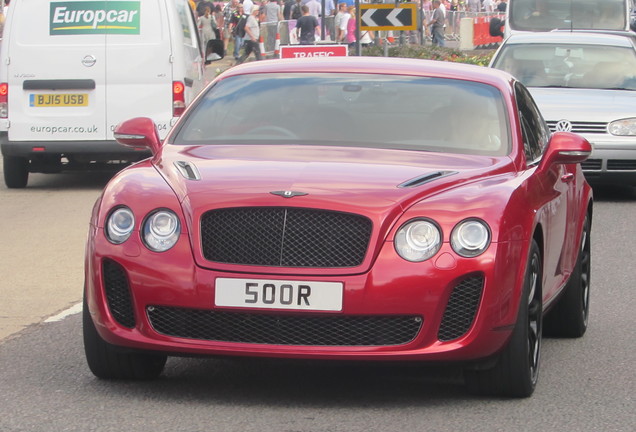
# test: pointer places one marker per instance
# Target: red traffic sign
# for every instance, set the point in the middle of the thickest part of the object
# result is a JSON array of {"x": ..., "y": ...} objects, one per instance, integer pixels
[{"x": 306, "y": 51}]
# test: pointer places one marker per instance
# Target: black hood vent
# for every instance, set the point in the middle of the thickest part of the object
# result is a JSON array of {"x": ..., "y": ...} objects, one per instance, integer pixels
[{"x": 420, "y": 180}]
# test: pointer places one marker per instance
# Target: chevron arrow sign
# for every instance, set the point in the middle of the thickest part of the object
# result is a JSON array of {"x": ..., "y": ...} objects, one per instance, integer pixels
[{"x": 388, "y": 16}]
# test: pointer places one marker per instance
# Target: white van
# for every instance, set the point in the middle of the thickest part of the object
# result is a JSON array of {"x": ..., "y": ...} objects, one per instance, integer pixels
[{"x": 70, "y": 71}]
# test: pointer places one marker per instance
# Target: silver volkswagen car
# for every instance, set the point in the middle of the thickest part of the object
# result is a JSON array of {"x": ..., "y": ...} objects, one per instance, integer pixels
[{"x": 585, "y": 83}]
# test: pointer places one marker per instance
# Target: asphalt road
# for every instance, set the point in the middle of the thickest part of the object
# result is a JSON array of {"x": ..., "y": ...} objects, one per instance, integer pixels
[{"x": 586, "y": 384}]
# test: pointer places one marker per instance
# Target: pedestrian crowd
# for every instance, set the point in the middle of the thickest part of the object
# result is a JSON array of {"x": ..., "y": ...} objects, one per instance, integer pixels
[{"x": 239, "y": 21}]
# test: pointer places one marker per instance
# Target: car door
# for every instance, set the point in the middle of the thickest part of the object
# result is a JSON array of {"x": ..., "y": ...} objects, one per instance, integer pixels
[{"x": 553, "y": 189}]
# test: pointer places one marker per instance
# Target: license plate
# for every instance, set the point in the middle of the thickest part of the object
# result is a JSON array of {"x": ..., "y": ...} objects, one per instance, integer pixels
[
  {"x": 58, "y": 100},
  {"x": 279, "y": 294}
]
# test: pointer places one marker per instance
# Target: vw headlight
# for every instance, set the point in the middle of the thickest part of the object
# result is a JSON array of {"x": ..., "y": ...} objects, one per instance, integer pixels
[
  {"x": 161, "y": 230},
  {"x": 418, "y": 240},
  {"x": 624, "y": 127},
  {"x": 119, "y": 225},
  {"x": 470, "y": 238}
]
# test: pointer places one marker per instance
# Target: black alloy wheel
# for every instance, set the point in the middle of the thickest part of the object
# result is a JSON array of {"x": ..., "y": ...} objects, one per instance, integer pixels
[{"x": 516, "y": 372}]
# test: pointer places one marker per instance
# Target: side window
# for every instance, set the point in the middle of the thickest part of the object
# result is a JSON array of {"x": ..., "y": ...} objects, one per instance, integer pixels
[
  {"x": 534, "y": 129},
  {"x": 186, "y": 18}
]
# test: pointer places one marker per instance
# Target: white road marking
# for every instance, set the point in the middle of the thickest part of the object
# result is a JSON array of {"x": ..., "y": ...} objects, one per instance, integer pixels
[{"x": 75, "y": 309}]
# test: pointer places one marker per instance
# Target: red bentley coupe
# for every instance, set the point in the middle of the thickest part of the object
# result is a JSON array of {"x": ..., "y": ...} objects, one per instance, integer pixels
[{"x": 368, "y": 209}]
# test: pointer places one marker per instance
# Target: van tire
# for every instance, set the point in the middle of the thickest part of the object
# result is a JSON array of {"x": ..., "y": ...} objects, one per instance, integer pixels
[{"x": 16, "y": 171}]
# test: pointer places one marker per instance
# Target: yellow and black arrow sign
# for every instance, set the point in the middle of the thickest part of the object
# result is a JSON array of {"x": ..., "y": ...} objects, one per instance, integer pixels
[{"x": 402, "y": 16}]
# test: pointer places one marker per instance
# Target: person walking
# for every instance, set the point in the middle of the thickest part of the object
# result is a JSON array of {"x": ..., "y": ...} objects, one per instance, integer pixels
[
  {"x": 207, "y": 28},
  {"x": 436, "y": 24},
  {"x": 237, "y": 27},
  {"x": 228, "y": 11},
  {"x": 306, "y": 27},
  {"x": 252, "y": 35}
]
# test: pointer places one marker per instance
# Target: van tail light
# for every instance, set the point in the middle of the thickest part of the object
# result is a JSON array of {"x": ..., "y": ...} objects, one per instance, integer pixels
[
  {"x": 4, "y": 100},
  {"x": 178, "y": 98}
]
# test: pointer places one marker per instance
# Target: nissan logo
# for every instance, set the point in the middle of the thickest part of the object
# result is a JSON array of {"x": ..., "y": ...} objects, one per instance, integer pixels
[
  {"x": 89, "y": 61},
  {"x": 563, "y": 126}
]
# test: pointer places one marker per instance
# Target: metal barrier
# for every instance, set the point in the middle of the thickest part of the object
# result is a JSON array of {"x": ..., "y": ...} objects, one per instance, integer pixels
[{"x": 275, "y": 34}]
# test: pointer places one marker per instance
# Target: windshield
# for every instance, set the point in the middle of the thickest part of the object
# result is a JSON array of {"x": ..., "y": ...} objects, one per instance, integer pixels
[
  {"x": 545, "y": 15},
  {"x": 577, "y": 66},
  {"x": 363, "y": 110}
]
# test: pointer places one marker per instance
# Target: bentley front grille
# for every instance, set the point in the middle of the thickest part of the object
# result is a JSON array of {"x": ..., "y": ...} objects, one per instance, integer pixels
[{"x": 285, "y": 237}]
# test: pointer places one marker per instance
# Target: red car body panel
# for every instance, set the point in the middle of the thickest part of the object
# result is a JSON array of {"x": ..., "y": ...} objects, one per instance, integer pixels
[{"x": 517, "y": 201}]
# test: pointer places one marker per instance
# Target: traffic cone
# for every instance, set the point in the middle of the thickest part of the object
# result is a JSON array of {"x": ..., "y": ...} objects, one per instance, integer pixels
[
  {"x": 277, "y": 46},
  {"x": 261, "y": 45}
]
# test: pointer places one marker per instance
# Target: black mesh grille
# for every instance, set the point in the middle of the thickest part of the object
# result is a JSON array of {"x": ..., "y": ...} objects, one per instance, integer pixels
[
  {"x": 461, "y": 308},
  {"x": 118, "y": 293},
  {"x": 284, "y": 329},
  {"x": 285, "y": 237}
]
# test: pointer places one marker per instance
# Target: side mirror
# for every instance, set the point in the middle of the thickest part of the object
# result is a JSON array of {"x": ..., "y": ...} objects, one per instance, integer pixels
[
  {"x": 214, "y": 50},
  {"x": 566, "y": 148},
  {"x": 139, "y": 133},
  {"x": 495, "y": 27}
]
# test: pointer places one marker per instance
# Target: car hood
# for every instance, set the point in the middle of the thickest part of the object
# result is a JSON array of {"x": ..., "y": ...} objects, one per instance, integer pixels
[
  {"x": 347, "y": 177},
  {"x": 591, "y": 105}
]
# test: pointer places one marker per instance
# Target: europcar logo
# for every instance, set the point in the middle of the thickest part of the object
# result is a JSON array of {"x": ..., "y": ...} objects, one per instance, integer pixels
[{"x": 94, "y": 17}]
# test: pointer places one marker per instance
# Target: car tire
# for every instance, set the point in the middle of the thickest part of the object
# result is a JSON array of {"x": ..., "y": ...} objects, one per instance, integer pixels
[
  {"x": 569, "y": 317},
  {"x": 516, "y": 370},
  {"x": 16, "y": 171},
  {"x": 107, "y": 362}
]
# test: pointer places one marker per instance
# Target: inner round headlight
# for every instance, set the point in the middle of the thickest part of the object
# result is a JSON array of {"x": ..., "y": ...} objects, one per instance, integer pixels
[
  {"x": 470, "y": 238},
  {"x": 120, "y": 225},
  {"x": 418, "y": 240},
  {"x": 624, "y": 127},
  {"x": 161, "y": 230}
]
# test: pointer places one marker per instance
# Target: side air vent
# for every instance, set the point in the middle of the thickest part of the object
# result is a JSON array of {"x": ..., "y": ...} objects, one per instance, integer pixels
[
  {"x": 188, "y": 170},
  {"x": 418, "y": 181}
]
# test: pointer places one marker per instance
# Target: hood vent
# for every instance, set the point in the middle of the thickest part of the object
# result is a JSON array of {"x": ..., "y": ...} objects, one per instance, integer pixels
[
  {"x": 188, "y": 170},
  {"x": 420, "y": 180}
]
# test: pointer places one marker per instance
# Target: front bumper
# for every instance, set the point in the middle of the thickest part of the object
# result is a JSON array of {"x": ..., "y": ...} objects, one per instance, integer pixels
[{"x": 445, "y": 309}]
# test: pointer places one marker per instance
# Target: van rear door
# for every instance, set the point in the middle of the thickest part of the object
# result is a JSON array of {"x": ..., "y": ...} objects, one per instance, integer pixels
[
  {"x": 139, "y": 70},
  {"x": 56, "y": 74}
]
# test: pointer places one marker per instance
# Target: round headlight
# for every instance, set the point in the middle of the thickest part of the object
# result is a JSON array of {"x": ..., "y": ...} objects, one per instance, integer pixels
[
  {"x": 119, "y": 225},
  {"x": 470, "y": 238},
  {"x": 161, "y": 230},
  {"x": 418, "y": 240},
  {"x": 624, "y": 127}
]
